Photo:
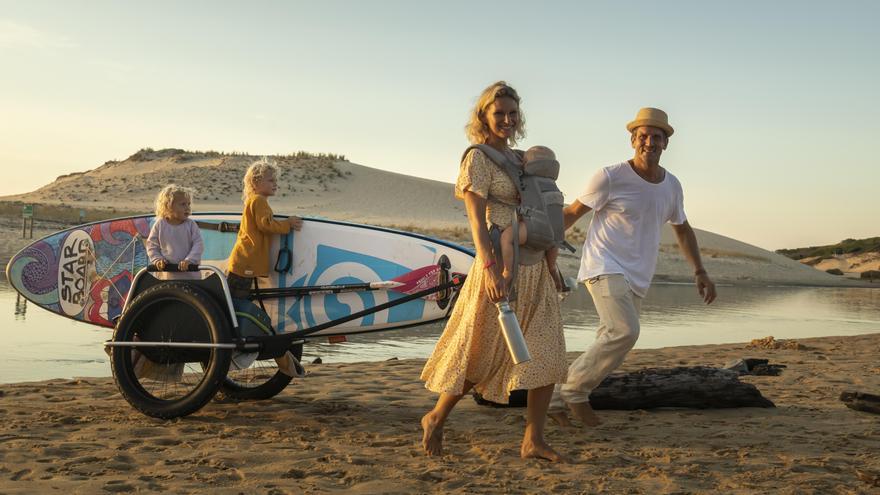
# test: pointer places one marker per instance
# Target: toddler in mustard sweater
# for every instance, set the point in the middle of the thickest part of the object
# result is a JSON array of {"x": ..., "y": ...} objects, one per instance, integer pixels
[{"x": 250, "y": 255}]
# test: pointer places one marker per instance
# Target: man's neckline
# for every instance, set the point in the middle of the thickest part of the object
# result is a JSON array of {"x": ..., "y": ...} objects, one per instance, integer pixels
[{"x": 633, "y": 168}]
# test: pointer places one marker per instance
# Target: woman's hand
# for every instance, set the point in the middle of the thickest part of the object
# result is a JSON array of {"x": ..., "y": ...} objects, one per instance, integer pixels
[
  {"x": 496, "y": 288},
  {"x": 475, "y": 206}
]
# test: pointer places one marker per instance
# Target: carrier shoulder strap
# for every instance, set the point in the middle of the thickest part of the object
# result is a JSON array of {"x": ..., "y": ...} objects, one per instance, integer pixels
[{"x": 513, "y": 171}]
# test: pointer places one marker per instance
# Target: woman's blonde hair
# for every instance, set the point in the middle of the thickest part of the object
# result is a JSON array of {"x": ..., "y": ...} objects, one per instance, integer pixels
[
  {"x": 166, "y": 197},
  {"x": 254, "y": 174},
  {"x": 477, "y": 130}
]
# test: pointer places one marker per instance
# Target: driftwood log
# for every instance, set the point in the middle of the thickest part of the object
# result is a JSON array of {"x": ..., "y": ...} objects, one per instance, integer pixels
[
  {"x": 697, "y": 387},
  {"x": 861, "y": 401}
]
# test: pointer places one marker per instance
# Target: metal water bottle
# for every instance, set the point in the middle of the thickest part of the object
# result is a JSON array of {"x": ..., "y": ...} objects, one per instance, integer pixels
[{"x": 513, "y": 336}]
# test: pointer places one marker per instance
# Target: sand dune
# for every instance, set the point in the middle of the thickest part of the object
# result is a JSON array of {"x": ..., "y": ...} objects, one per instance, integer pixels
[{"x": 332, "y": 188}]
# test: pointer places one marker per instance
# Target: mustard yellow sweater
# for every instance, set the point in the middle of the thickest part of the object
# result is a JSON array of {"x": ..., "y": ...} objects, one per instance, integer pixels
[{"x": 250, "y": 255}]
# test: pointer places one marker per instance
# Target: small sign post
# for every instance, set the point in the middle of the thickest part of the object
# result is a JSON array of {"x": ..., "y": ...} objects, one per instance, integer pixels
[{"x": 27, "y": 219}]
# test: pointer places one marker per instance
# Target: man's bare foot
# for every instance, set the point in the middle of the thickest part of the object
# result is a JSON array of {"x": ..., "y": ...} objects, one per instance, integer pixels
[
  {"x": 432, "y": 438},
  {"x": 540, "y": 450},
  {"x": 560, "y": 418},
  {"x": 584, "y": 412}
]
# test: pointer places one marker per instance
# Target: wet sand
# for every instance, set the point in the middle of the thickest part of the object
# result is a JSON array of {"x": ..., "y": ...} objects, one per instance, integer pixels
[{"x": 354, "y": 428}]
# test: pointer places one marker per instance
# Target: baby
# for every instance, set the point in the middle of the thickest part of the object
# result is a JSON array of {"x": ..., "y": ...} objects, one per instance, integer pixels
[
  {"x": 533, "y": 154},
  {"x": 175, "y": 238}
]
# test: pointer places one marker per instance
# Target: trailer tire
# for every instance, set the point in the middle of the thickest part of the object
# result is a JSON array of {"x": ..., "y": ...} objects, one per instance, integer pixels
[{"x": 171, "y": 312}]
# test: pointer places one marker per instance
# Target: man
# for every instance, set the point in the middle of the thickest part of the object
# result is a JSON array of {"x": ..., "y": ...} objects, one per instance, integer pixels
[{"x": 632, "y": 200}]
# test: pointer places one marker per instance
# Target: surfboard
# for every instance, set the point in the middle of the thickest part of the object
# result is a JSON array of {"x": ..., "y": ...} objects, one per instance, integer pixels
[{"x": 85, "y": 272}]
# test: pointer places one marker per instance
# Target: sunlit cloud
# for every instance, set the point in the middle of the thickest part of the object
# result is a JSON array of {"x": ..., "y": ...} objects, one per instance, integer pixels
[{"x": 17, "y": 34}]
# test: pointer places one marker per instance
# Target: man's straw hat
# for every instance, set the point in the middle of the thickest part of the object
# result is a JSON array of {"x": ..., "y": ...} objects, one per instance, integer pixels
[{"x": 653, "y": 117}]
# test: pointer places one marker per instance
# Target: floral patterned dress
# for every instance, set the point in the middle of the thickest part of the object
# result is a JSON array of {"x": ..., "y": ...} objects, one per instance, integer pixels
[{"x": 472, "y": 346}]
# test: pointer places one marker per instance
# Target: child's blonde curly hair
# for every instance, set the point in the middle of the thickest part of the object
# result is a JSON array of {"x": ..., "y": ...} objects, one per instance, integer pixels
[
  {"x": 166, "y": 197},
  {"x": 254, "y": 174}
]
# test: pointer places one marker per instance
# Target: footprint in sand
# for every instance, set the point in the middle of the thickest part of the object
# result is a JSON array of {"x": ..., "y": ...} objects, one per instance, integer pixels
[
  {"x": 165, "y": 441},
  {"x": 23, "y": 475},
  {"x": 118, "y": 486}
]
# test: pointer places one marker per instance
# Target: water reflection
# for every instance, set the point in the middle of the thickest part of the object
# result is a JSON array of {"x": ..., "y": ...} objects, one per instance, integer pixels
[
  {"x": 46, "y": 345},
  {"x": 20, "y": 307}
]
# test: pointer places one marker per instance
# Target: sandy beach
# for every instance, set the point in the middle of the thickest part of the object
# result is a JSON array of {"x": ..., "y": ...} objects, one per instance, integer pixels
[{"x": 354, "y": 428}]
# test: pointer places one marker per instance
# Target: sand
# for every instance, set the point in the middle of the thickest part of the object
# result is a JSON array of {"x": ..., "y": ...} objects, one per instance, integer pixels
[
  {"x": 354, "y": 428},
  {"x": 850, "y": 264}
]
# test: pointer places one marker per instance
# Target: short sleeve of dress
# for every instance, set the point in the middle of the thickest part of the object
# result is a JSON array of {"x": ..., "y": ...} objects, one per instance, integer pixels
[{"x": 475, "y": 175}]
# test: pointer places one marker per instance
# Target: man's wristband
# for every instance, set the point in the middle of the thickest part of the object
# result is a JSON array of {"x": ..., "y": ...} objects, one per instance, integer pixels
[
  {"x": 701, "y": 271},
  {"x": 488, "y": 264}
]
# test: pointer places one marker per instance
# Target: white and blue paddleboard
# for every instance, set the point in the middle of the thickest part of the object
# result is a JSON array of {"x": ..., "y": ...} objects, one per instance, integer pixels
[{"x": 85, "y": 272}]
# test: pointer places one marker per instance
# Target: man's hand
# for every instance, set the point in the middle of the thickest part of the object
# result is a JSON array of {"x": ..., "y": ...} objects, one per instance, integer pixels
[
  {"x": 160, "y": 265},
  {"x": 183, "y": 266},
  {"x": 706, "y": 288}
]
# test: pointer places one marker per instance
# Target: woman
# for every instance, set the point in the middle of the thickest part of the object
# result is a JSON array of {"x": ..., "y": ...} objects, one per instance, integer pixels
[{"x": 471, "y": 353}]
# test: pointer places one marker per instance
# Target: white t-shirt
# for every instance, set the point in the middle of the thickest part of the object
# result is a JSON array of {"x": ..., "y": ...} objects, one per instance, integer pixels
[{"x": 624, "y": 234}]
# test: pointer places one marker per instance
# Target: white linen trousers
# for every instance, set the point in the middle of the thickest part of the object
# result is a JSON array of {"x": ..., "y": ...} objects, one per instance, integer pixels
[{"x": 618, "y": 308}]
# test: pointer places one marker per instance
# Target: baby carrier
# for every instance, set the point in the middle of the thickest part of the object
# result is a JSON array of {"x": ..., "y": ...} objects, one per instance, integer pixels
[
  {"x": 540, "y": 207},
  {"x": 541, "y": 202}
]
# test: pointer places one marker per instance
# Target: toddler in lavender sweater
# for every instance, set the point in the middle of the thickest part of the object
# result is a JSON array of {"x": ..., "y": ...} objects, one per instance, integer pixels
[{"x": 175, "y": 238}]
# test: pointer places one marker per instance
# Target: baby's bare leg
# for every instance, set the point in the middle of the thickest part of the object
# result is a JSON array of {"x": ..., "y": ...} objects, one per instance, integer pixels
[
  {"x": 507, "y": 251},
  {"x": 551, "y": 255},
  {"x": 507, "y": 248}
]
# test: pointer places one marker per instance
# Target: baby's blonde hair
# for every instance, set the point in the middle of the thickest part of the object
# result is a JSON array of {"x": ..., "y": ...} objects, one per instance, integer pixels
[
  {"x": 166, "y": 197},
  {"x": 477, "y": 130},
  {"x": 255, "y": 172}
]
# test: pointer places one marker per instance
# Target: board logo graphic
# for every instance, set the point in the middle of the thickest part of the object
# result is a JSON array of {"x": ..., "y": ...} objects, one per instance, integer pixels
[{"x": 76, "y": 263}]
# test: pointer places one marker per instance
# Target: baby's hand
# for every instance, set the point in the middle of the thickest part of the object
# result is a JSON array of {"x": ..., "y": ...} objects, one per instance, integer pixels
[
  {"x": 160, "y": 265},
  {"x": 183, "y": 266},
  {"x": 295, "y": 222}
]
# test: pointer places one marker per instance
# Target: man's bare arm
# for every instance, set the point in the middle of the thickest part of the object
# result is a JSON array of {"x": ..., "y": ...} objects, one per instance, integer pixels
[
  {"x": 687, "y": 242},
  {"x": 573, "y": 212}
]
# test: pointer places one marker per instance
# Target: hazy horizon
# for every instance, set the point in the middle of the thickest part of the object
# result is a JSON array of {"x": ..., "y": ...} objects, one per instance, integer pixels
[{"x": 771, "y": 102}]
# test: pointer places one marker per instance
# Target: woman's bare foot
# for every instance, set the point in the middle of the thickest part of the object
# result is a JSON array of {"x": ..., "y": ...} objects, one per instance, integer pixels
[
  {"x": 432, "y": 438},
  {"x": 584, "y": 412},
  {"x": 540, "y": 450},
  {"x": 560, "y": 418}
]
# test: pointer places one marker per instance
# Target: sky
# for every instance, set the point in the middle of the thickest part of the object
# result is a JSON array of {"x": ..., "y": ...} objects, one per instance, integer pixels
[{"x": 774, "y": 104}]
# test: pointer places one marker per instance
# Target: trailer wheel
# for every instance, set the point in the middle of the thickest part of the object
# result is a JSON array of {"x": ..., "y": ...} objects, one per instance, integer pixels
[
  {"x": 169, "y": 382},
  {"x": 260, "y": 381}
]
